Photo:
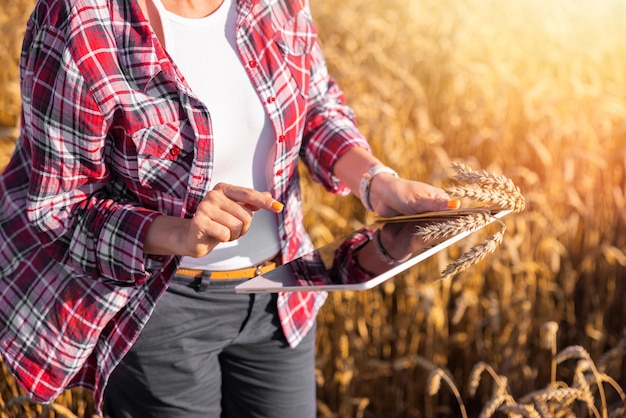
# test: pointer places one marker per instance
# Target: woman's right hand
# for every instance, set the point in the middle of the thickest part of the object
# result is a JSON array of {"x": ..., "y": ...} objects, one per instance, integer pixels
[{"x": 225, "y": 214}]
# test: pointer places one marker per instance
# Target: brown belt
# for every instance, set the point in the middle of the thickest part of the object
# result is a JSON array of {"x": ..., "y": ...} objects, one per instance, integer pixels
[{"x": 245, "y": 273}]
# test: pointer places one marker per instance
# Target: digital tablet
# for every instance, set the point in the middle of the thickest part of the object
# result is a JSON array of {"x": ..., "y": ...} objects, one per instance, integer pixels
[{"x": 390, "y": 245}]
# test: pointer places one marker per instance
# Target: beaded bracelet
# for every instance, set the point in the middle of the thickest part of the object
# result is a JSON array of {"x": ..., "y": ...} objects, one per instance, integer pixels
[{"x": 366, "y": 183}]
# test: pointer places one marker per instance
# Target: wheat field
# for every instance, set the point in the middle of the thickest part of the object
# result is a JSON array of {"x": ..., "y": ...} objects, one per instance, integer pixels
[{"x": 531, "y": 89}]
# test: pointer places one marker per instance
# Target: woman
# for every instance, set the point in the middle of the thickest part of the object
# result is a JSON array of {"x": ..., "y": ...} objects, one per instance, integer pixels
[{"x": 158, "y": 161}]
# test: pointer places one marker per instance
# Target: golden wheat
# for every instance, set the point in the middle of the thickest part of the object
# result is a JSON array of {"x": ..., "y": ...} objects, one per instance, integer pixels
[
  {"x": 475, "y": 377},
  {"x": 475, "y": 254},
  {"x": 524, "y": 410},
  {"x": 547, "y": 338},
  {"x": 434, "y": 383},
  {"x": 492, "y": 183},
  {"x": 531, "y": 89},
  {"x": 481, "y": 186},
  {"x": 495, "y": 404},
  {"x": 556, "y": 400},
  {"x": 468, "y": 222},
  {"x": 480, "y": 194}
]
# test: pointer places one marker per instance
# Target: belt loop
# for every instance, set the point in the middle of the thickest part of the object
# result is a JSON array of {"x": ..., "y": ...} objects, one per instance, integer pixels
[{"x": 197, "y": 284}]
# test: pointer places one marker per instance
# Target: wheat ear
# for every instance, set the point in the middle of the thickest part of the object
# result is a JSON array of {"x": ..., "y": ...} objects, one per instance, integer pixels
[
  {"x": 495, "y": 403},
  {"x": 434, "y": 383},
  {"x": 480, "y": 194},
  {"x": 466, "y": 174},
  {"x": 577, "y": 351},
  {"x": 476, "y": 373},
  {"x": 487, "y": 187},
  {"x": 518, "y": 409},
  {"x": 475, "y": 254},
  {"x": 454, "y": 226}
]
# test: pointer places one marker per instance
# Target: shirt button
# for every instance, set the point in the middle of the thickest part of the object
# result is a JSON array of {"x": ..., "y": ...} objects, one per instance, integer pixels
[
  {"x": 253, "y": 63},
  {"x": 280, "y": 172},
  {"x": 271, "y": 99},
  {"x": 282, "y": 138},
  {"x": 174, "y": 151}
]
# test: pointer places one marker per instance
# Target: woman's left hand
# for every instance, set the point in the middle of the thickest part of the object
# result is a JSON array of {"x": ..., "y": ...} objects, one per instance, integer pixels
[{"x": 391, "y": 196}]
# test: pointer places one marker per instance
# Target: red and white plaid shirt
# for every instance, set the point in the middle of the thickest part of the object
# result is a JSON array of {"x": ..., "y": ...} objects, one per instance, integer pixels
[{"x": 111, "y": 138}]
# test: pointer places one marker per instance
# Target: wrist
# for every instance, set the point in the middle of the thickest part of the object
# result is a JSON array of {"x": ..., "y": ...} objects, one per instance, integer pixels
[
  {"x": 165, "y": 236},
  {"x": 367, "y": 180}
]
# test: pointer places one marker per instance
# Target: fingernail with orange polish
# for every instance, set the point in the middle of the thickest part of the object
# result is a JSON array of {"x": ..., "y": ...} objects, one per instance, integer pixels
[
  {"x": 277, "y": 206},
  {"x": 454, "y": 204}
]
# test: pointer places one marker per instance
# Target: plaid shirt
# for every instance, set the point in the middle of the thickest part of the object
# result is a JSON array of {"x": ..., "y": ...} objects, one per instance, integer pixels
[{"x": 111, "y": 138}]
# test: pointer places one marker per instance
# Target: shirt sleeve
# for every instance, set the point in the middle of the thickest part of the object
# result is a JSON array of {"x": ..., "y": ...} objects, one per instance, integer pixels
[
  {"x": 330, "y": 128},
  {"x": 82, "y": 218},
  {"x": 345, "y": 262}
]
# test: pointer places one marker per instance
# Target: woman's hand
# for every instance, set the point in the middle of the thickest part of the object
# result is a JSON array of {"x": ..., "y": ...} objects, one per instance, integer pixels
[
  {"x": 392, "y": 196},
  {"x": 389, "y": 195},
  {"x": 225, "y": 214}
]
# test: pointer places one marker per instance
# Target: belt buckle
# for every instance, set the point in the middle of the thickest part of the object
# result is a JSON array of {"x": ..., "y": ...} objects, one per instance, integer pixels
[{"x": 258, "y": 271}]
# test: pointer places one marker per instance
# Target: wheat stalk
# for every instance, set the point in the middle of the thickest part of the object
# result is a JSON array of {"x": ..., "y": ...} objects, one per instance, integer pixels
[
  {"x": 434, "y": 384},
  {"x": 547, "y": 340},
  {"x": 577, "y": 351},
  {"x": 549, "y": 331},
  {"x": 572, "y": 352},
  {"x": 483, "y": 187},
  {"x": 475, "y": 254},
  {"x": 62, "y": 411},
  {"x": 542, "y": 409},
  {"x": 487, "y": 187},
  {"x": 454, "y": 226},
  {"x": 495, "y": 403},
  {"x": 480, "y": 194},
  {"x": 524, "y": 410},
  {"x": 466, "y": 174},
  {"x": 476, "y": 373},
  {"x": 580, "y": 382},
  {"x": 500, "y": 394},
  {"x": 596, "y": 376},
  {"x": 21, "y": 400},
  {"x": 562, "y": 397}
]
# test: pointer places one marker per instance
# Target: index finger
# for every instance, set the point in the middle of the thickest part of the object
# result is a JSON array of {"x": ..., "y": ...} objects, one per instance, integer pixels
[{"x": 252, "y": 198}]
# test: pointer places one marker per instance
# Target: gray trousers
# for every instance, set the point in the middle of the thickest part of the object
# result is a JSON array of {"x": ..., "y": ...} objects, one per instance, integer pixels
[{"x": 208, "y": 352}]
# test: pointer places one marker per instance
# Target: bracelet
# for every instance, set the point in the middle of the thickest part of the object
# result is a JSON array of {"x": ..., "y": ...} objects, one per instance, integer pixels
[
  {"x": 366, "y": 183},
  {"x": 382, "y": 252}
]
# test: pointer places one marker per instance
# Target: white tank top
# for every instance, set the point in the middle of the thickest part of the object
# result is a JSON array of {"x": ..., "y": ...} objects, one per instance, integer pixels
[{"x": 204, "y": 49}]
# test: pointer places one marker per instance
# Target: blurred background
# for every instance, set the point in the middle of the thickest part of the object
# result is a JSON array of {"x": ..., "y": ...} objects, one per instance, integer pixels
[{"x": 534, "y": 90}]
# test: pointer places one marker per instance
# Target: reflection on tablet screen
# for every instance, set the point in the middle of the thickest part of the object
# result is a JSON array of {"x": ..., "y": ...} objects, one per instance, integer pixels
[{"x": 362, "y": 259}]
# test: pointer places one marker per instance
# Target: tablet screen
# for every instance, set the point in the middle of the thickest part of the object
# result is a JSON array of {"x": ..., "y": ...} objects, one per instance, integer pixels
[{"x": 368, "y": 256}]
